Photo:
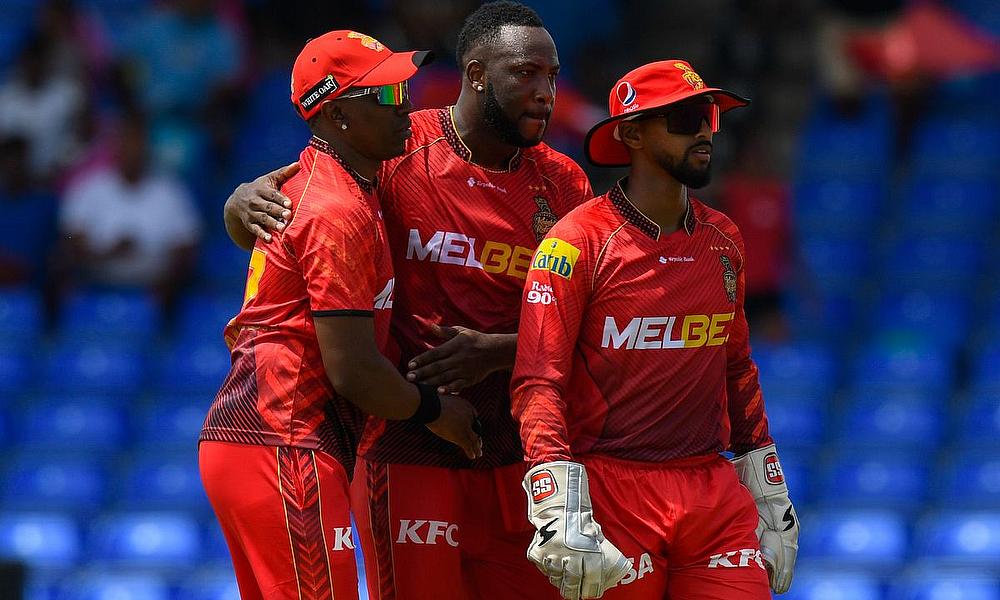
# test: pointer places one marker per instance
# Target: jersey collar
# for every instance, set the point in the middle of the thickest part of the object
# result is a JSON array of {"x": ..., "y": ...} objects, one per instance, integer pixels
[
  {"x": 635, "y": 216},
  {"x": 324, "y": 147}
]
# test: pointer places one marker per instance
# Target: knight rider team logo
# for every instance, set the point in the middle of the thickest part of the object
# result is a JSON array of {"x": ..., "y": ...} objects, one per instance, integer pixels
[{"x": 728, "y": 278}]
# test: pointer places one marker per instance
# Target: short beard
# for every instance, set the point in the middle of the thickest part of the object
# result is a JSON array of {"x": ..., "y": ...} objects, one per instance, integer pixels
[
  {"x": 683, "y": 172},
  {"x": 505, "y": 128}
]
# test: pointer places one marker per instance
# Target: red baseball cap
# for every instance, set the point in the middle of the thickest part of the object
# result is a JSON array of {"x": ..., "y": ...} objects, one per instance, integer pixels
[
  {"x": 649, "y": 87},
  {"x": 338, "y": 60}
]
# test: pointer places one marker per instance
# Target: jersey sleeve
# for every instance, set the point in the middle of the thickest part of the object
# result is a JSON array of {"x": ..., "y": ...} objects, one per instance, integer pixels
[
  {"x": 746, "y": 403},
  {"x": 556, "y": 292},
  {"x": 334, "y": 244}
]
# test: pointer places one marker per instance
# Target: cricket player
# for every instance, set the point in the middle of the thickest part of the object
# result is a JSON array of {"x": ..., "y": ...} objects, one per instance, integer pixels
[
  {"x": 278, "y": 444},
  {"x": 633, "y": 373},
  {"x": 465, "y": 208}
]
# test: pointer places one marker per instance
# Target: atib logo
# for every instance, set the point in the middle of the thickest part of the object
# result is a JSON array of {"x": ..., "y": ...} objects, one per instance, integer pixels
[{"x": 543, "y": 485}]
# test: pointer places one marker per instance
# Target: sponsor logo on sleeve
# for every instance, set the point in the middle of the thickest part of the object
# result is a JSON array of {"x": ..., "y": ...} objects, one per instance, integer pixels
[
  {"x": 557, "y": 256},
  {"x": 728, "y": 278}
]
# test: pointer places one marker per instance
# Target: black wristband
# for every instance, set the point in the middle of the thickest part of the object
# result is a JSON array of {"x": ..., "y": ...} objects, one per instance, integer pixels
[{"x": 430, "y": 405}]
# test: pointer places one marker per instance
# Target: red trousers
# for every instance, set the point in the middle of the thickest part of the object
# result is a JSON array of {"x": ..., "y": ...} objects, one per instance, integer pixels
[
  {"x": 285, "y": 515},
  {"x": 445, "y": 534},
  {"x": 687, "y": 525}
]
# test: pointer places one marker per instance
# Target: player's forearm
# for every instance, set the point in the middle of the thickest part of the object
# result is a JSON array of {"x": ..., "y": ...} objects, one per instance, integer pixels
[
  {"x": 234, "y": 226},
  {"x": 374, "y": 385},
  {"x": 746, "y": 407},
  {"x": 503, "y": 350},
  {"x": 541, "y": 414}
]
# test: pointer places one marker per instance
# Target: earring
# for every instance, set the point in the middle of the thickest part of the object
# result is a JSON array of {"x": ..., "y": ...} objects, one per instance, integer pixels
[
  {"x": 343, "y": 126},
  {"x": 479, "y": 88}
]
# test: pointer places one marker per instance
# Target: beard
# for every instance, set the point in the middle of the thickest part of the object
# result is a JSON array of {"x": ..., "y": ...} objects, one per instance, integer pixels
[
  {"x": 683, "y": 171},
  {"x": 505, "y": 128}
]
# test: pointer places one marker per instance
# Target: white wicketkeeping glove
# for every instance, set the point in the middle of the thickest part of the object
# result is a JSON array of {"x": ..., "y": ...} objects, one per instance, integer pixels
[
  {"x": 568, "y": 546},
  {"x": 778, "y": 528}
]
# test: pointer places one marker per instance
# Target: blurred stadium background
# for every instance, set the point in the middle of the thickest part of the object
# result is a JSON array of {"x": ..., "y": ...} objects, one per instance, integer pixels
[{"x": 865, "y": 177}]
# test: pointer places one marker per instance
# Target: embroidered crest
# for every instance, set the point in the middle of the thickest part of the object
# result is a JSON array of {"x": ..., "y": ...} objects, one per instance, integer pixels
[
  {"x": 693, "y": 79},
  {"x": 367, "y": 41},
  {"x": 728, "y": 277},
  {"x": 543, "y": 220}
]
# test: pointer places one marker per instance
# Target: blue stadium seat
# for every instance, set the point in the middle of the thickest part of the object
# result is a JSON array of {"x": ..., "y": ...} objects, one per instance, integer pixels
[
  {"x": 853, "y": 538},
  {"x": 171, "y": 422},
  {"x": 835, "y": 264},
  {"x": 798, "y": 468},
  {"x": 103, "y": 368},
  {"x": 815, "y": 314},
  {"x": 933, "y": 263},
  {"x": 71, "y": 424},
  {"x": 114, "y": 586},
  {"x": 844, "y": 206},
  {"x": 103, "y": 315},
  {"x": 224, "y": 265},
  {"x": 17, "y": 370},
  {"x": 934, "y": 318},
  {"x": 268, "y": 138},
  {"x": 875, "y": 478},
  {"x": 901, "y": 420},
  {"x": 979, "y": 419},
  {"x": 214, "y": 547},
  {"x": 146, "y": 539},
  {"x": 819, "y": 584},
  {"x": 946, "y": 585},
  {"x": 796, "y": 419},
  {"x": 948, "y": 205},
  {"x": 904, "y": 367},
  {"x": 21, "y": 318},
  {"x": 198, "y": 368},
  {"x": 941, "y": 146},
  {"x": 218, "y": 585},
  {"x": 202, "y": 317},
  {"x": 986, "y": 369},
  {"x": 38, "y": 539},
  {"x": 161, "y": 481},
  {"x": 833, "y": 145},
  {"x": 970, "y": 479},
  {"x": 34, "y": 481},
  {"x": 800, "y": 367},
  {"x": 960, "y": 538}
]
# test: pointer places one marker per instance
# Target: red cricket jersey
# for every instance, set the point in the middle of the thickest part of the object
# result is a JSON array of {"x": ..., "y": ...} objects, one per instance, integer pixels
[
  {"x": 332, "y": 259},
  {"x": 634, "y": 344},
  {"x": 462, "y": 237}
]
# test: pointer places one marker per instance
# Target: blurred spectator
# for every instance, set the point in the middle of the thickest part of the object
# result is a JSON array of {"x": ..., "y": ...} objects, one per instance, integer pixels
[
  {"x": 181, "y": 57},
  {"x": 79, "y": 45},
  {"x": 30, "y": 212},
  {"x": 44, "y": 106},
  {"x": 125, "y": 226}
]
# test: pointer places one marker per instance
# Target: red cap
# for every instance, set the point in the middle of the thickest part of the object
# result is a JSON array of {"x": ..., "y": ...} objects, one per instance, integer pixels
[
  {"x": 649, "y": 87},
  {"x": 338, "y": 60}
]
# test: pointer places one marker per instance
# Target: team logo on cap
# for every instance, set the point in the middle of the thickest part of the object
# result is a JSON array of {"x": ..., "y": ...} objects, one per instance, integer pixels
[
  {"x": 626, "y": 93},
  {"x": 693, "y": 79},
  {"x": 367, "y": 41}
]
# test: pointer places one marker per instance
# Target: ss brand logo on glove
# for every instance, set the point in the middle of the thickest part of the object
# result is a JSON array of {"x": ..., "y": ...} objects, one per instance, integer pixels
[
  {"x": 543, "y": 486},
  {"x": 772, "y": 470}
]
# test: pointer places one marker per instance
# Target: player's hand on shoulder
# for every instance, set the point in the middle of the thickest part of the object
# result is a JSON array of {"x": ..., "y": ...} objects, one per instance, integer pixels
[
  {"x": 459, "y": 425},
  {"x": 463, "y": 359},
  {"x": 259, "y": 206}
]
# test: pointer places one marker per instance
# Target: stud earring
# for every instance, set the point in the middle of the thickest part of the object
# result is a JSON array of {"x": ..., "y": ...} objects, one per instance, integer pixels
[
  {"x": 343, "y": 126},
  {"x": 479, "y": 88}
]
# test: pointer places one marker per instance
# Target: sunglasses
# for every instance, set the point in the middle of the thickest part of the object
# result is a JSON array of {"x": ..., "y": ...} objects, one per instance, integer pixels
[
  {"x": 686, "y": 119},
  {"x": 393, "y": 94}
]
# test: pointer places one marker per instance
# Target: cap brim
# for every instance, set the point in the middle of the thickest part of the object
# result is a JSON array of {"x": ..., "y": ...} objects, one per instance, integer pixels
[
  {"x": 399, "y": 66},
  {"x": 603, "y": 150}
]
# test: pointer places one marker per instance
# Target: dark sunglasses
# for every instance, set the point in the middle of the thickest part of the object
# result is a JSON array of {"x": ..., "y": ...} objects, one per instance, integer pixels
[{"x": 686, "y": 119}]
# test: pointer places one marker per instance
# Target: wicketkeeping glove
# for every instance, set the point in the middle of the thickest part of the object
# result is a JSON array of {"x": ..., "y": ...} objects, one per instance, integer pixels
[
  {"x": 778, "y": 528},
  {"x": 568, "y": 546}
]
